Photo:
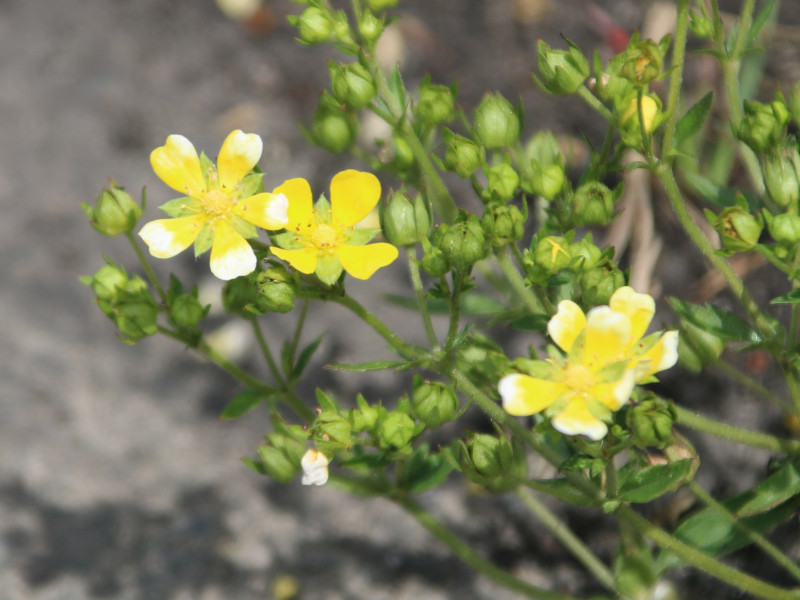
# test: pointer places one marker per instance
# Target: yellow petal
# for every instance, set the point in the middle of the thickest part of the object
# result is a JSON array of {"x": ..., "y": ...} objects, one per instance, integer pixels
[
  {"x": 267, "y": 211},
  {"x": 608, "y": 335},
  {"x": 231, "y": 255},
  {"x": 524, "y": 395},
  {"x": 301, "y": 207},
  {"x": 661, "y": 355},
  {"x": 567, "y": 324},
  {"x": 362, "y": 261},
  {"x": 167, "y": 237},
  {"x": 303, "y": 260},
  {"x": 353, "y": 195},
  {"x": 239, "y": 154},
  {"x": 176, "y": 163},
  {"x": 640, "y": 309},
  {"x": 615, "y": 395},
  {"x": 576, "y": 419}
]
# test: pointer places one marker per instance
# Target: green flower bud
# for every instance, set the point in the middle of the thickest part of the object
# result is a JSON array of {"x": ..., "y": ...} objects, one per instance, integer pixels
[
  {"x": 377, "y": 5},
  {"x": 405, "y": 222},
  {"x": 436, "y": 103},
  {"x": 502, "y": 223},
  {"x": 785, "y": 228},
  {"x": 186, "y": 311},
  {"x": 482, "y": 360},
  {"x": 546, "y": 181},
  {"x": 331, "y": 433},
  {"x": 396, "y": 430},
  {"x": 586, "y": 252},
  {"x": 737, "y": 228},
  {"x": 463, "y": 156},
  {"x": 488, "y": 460},
  {"x": 107, "y": 283},
  {"x": 781, "y": 178},
  {"x": 314, "y": 26},
  {"x": 651, "y": 422},
  {"x": 503, "y": 181},
  {"x": 365, "y": 417},
  {"x": 334, "y": 127},
  {"x": 434, "y": 263},
  {"x": 115, "y": 212},
  {"x": 599, "y": 284},
  {"x": 282, "y": 454},
  {"x": 240, "y": 296},
  {"x": 592, "y": 204},
  {"x": 276, "y": 291},
  {"x": 463, "y": 243},
  {"x": 352, "y": 84},
  {"x": 341, "y": 30},
  {"x": 370, "y": 27},
  {"x": 700, "y": 25},
  {"x": 433, "y": 403},
  {"x": 764, "y": 125},
  {"x": 562, "y": 71},
  {"x": 403, "y": 155},
  {"x": 136, "y": 317},
  {"x": 643, "y": 61},
  {"x": 497, "y": 123},
  {"x": 697, "y": 347},
  {"x": 552, "y": 254}
]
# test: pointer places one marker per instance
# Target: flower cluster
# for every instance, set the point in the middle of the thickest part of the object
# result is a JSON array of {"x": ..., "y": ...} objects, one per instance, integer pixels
[
  {"x": 223, "y": 206},
  {"x": 606, "y": 354}
]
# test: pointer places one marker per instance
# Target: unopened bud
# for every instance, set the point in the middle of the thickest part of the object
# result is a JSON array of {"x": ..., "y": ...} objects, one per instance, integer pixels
[
  {"x": 562, "y": 71},
  {"x": 463, "y": 156},
  {"x": 737, "y": 228},
  {"x": 314, "y": 25},
  {"x": 463, "y": 243},
  {"x": 503, "y": 182},
  {"x": 497, "y": 122},
  {"x": 403, "y": 221},
  {"x": 352, "y": 84},
  {"x": 651, "y": 422},
  {"x": 115, "y": 211},
  {"x": 436, "y": 103},
  {"x": 333, "y": 127},
  {"x": 503, "y": 223},
  {"x": 433, "y": 403},
  {"x": 396, "y": 430}
]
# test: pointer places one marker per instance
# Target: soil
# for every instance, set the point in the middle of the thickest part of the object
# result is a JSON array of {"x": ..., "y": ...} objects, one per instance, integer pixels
[{"x": 117, "y": 479}]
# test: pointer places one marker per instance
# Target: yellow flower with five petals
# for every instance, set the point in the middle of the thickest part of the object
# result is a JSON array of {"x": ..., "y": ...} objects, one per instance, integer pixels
[
  {"x": 606, "y": 354},
  {"x": 324, "y": 239},
  {"x": 221, "y": 207}
]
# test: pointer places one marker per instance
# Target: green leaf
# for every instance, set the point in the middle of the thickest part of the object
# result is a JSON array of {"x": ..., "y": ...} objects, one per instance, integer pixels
[
  {"x": 471, "y": 304},
  {"x": 716, "y": 321},
  {"x": 531, "y": 323},
  {"x": 693, "y": 120},
  {"x": 326, "y": 402},
  {"x": 652, "y": 482},
  {"x": 396, "y": 86},
  {"x": 181, "y": 207},
  {"x": 242, "y": 403},
  {"x": 564, "y": 490},
  {"x": 305, "y": 356},
  {"x": 792, "y": 297},
  {"x": 760, "y": 509},
  {"x": 425, "y": 471},
  {"x": 759, "y": 21}
]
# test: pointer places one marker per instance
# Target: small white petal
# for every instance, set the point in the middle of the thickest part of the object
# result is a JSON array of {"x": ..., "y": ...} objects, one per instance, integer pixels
[{"x": 315, "y": 467}]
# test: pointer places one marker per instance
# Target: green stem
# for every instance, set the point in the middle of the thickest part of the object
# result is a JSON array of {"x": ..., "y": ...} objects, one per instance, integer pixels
[
  {"x": 667, "y": 178},
  {"x": 595, "y": 103},
  {"x": 301, "y": 321},
  {"x": 540, "y": 294},
  {"x": 147, "y": 269},
  {"x": 455, "y": 310},
  {"x": 517, "y": 282},
  {"x": 262, "y": 343},
  {"x": 402, "y": 348},
  {"x": 759, "y": 540},
  {"x": 703, "y": 561},
  {"x": 676, "y": 77},
  {"x": 222, "y": 362},
  {"x": 751, "y": 385},
  {"x": 416, "y": 281},
  {"x": 568, "y": 539},
  {"x": 464, "y": 552},
  {"x": 735, "y": 434}
]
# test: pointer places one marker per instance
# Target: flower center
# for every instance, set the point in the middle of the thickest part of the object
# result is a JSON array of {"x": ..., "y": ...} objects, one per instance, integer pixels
[
  {"x": 324, "y": 237},
  {"x": 217, "y": 203},
  {"x": 579, "y": 378}
]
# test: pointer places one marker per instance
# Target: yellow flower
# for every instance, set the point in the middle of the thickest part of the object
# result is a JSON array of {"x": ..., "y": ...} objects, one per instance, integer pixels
[
  {"x": 605, "y": 357},
  {"x": 324, "y": 239},
  {"x": 315, "y": 467},
  {"x": 221, "y": 207},
  {"x": 649, "y": 113}
]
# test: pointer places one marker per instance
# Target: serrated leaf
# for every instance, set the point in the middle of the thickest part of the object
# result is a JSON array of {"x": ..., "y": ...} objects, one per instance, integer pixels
[
  {"x": 652, "y": 482},
  {"x": 769, "y": 503},
  {"x": 243, "y": 402},
  {"x": 693, "y": 120},
  {"x": 716, "y": 321}
]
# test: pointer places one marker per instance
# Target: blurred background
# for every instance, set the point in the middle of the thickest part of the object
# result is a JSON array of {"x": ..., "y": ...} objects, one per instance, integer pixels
[{"x": 117, "y": 480}]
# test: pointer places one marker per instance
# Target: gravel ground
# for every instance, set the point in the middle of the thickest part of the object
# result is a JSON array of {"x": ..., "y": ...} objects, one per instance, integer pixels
[{"x": 117, "y": 481}]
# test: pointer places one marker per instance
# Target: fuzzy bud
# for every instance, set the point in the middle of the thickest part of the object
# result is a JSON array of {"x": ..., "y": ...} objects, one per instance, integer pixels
[
  {"x": 463, "y": 156},
  {"x": 785, "y": 229},
  {"x": 115, "y": 212},
  {"x": 433, "y": 403},
  {"x": 333, "y": 127},
  {"x": 651, "y": 422},
  {"x": 497, "y": 123},
  {"x": 592, "y": 204},
  {"x": 562, "y": 71},
  {"x": 436, "y": 103},
  {"x": 503, "y": 182},
  {"x": 352, "y": 84},
  {"x": 463, "y": 243},
  {"x": 781, "y": 178},
  {"x": 314, "y": 26},
  {"x": 503, "y": 223},
  {"x": 763, "y": 125},
  {"x": 405, "y": 222},
  {"x": 396, "y": 430}
]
